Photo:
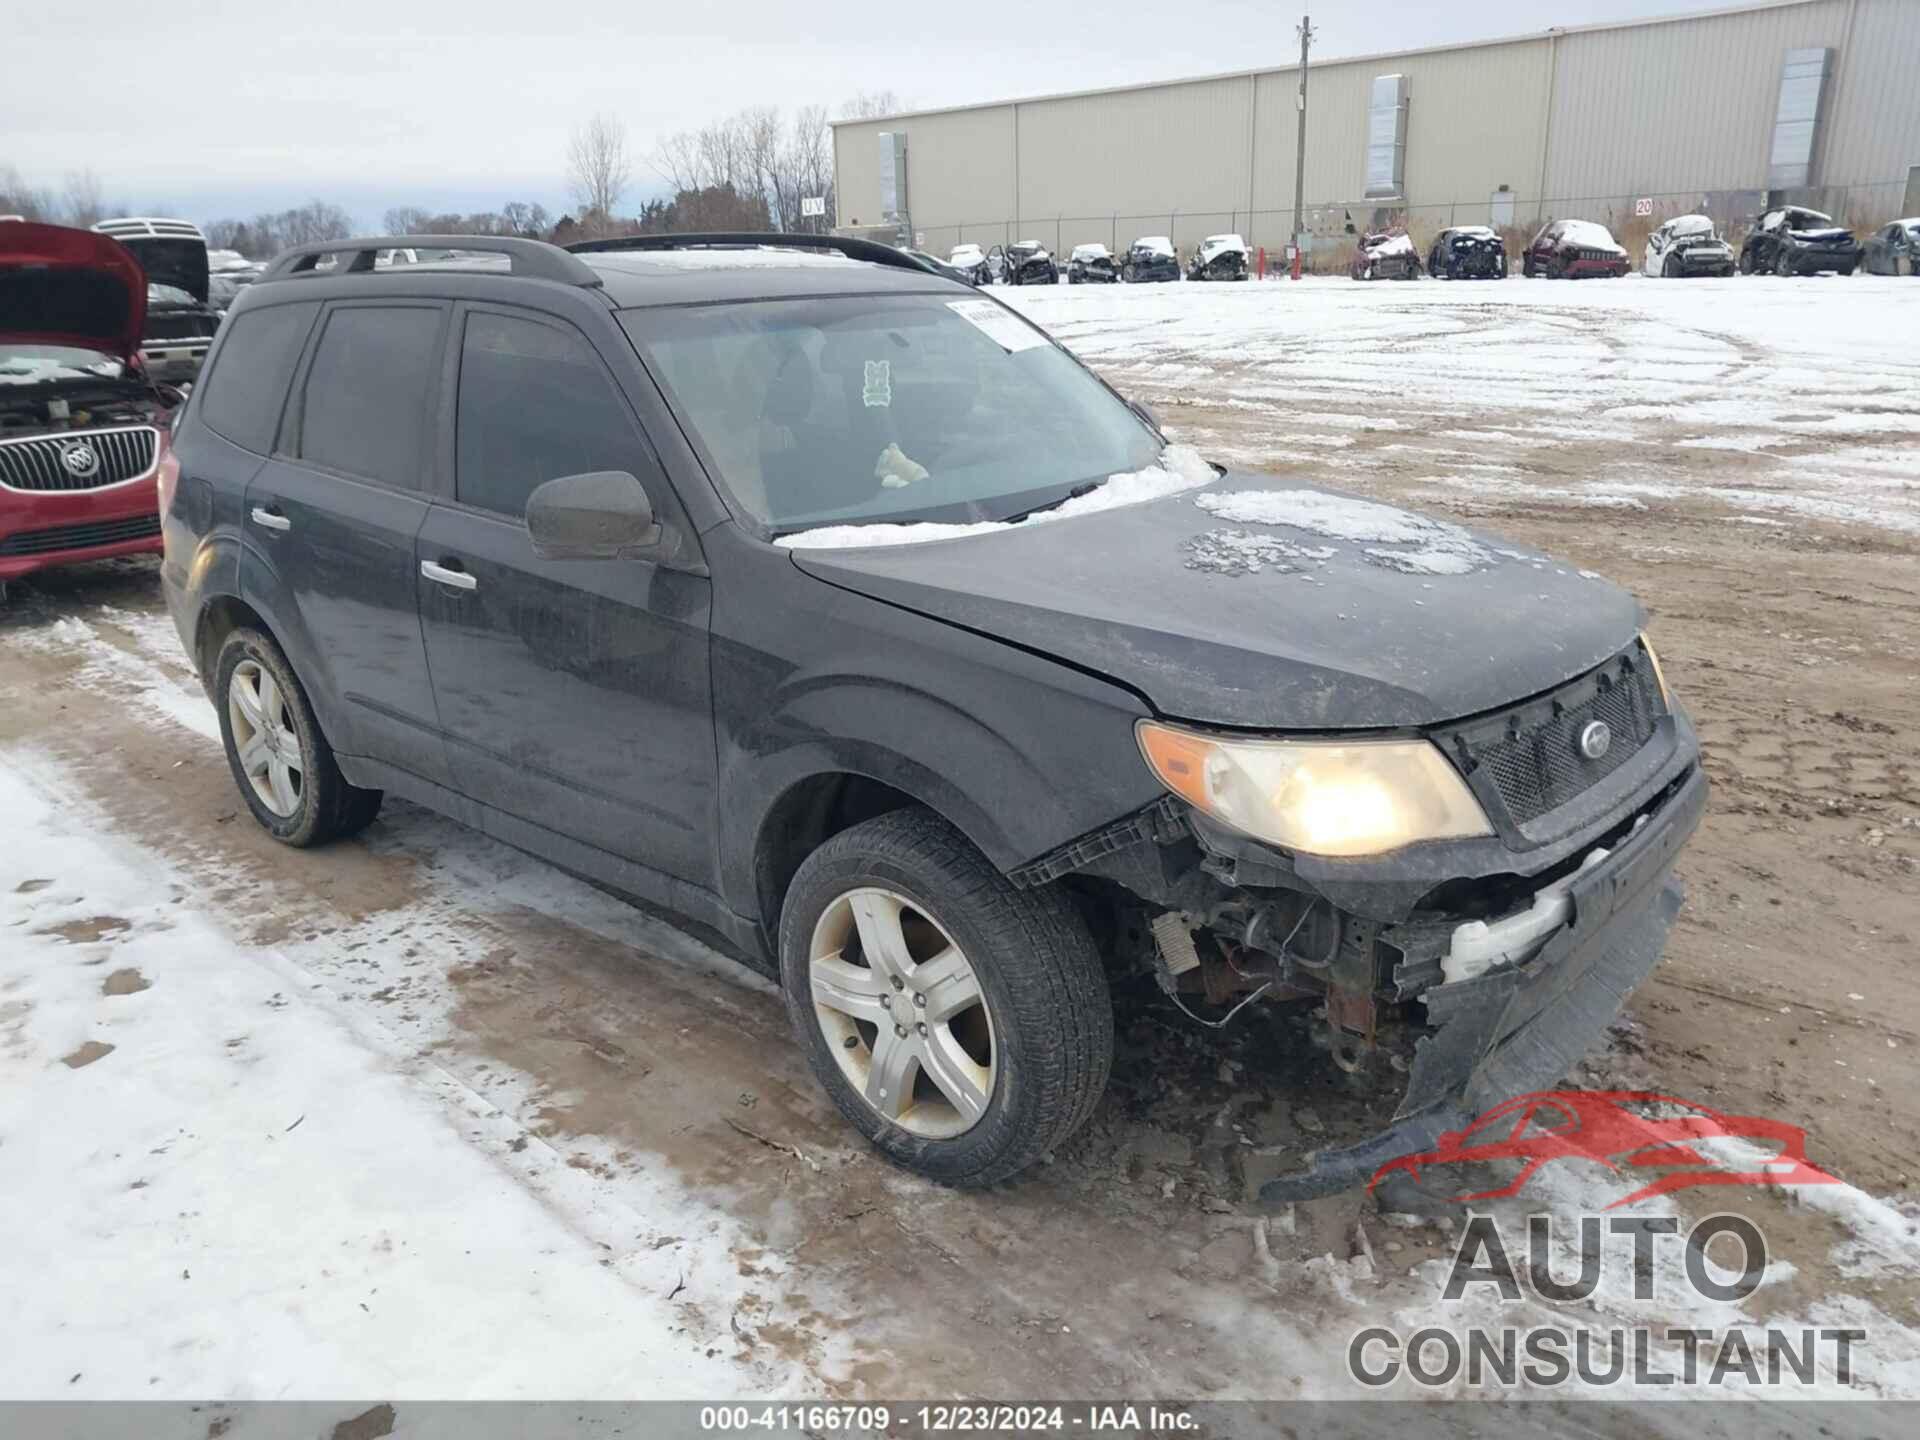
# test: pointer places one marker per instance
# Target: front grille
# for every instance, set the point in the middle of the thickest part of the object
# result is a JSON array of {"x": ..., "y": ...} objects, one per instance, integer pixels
[
  {"x": 1532, "y": 755},
  {"x": 81, "y": 537},
  {"x": 61, "y": 462}
]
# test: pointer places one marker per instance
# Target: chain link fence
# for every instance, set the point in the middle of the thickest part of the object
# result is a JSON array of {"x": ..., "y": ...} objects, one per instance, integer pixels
[{"x": 1333, "y": 227}]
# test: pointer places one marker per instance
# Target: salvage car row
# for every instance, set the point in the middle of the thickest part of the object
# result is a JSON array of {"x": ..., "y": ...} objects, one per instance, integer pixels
[
  {"x": 1791, "y": 240},
  {"x": 1151, "y": 258}
]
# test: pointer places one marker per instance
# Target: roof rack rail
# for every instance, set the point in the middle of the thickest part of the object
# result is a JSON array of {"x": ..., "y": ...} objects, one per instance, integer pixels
[
  {"x": 870, "y": 250},
  {"x": 534, "y": 259}
]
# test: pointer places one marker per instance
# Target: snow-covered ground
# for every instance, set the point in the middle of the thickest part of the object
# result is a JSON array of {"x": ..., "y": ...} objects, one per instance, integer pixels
[{"x": 1778, "y": 399}]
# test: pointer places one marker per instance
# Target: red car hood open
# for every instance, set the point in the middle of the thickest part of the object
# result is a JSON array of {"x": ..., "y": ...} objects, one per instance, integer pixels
[{"x": 60, "y": 286}]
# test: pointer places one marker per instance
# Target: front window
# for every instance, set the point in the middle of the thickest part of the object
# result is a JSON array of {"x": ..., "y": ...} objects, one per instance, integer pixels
[{"x": 863, "y": 409}]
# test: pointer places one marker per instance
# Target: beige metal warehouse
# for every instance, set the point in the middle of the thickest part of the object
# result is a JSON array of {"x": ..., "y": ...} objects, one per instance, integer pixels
[{"x": 1813, "y": 100}]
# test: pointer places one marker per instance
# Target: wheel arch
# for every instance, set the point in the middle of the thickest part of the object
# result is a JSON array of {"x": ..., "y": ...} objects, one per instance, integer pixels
[{"x": 815, "y": 807}]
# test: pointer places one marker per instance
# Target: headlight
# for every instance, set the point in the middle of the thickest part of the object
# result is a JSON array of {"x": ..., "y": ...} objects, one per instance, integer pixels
[
  {"x": 1666, "y": 695},
  {"x": 1324, "y": 797}
]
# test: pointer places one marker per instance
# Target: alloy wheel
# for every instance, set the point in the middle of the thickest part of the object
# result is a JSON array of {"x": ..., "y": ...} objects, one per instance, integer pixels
[
  {"x": 903, "y": 1012},
  {"x": 265, "y": 739}
]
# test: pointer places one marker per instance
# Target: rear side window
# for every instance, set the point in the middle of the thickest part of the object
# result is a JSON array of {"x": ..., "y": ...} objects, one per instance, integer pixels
[
  {"x": 535, "y": 404},
  {"x": 369, "y": 393},
  {"x": 242, "y": 398}
]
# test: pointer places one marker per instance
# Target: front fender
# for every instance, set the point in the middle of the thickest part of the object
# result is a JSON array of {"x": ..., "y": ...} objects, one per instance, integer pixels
[{"x": 1022, "y": 754}]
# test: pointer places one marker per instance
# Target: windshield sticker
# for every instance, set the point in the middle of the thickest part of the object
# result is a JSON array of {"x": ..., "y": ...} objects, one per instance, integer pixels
[
  {"x": 879, "y": 387},
  {"x": 895, "y": 470},
  {"x": 1004, "y": 328}
]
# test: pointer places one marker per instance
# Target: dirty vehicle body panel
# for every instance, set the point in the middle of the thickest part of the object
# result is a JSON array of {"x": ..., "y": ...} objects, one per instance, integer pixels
[
  {"x": 1385, "y": 257},
  {"x": 1220, "y": 257},
  {"x": 687, "y": 723},
  {"x": 1797, "y": 241},
  {"x": 1893, "y": 249},
  {"x": 1468, "y": 252},
  {"x": 83, "y": 430},
  {"x": 1573, "y": 250},
  {"x": 1150, "y": 258},
  {"x": 1687, "y": 245}
]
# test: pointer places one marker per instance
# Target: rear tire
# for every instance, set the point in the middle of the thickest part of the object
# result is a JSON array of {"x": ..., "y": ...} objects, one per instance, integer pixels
[
  {"x": 283, "y": 765},
  {"x": 1038, "y": 1035}
]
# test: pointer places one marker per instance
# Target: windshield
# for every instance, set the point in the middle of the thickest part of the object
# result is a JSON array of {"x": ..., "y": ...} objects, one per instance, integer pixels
[
  {"x": 1808, "y": 220},
  {"x": 854, "y": 409},
  {"x": 1154, "y": 245},
  {"x": 25, "y": 364},
  {"x": 965, "y": 255}
]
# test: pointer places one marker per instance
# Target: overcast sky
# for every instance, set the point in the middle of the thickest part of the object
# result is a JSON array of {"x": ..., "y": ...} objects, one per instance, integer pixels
[{"x": 229, "y": 107}]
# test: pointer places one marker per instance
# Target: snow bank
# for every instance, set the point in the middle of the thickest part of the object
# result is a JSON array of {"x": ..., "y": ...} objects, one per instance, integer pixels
[
  {"x": 1180, "y": 468},
  {"x": 256, "y": 1190}
]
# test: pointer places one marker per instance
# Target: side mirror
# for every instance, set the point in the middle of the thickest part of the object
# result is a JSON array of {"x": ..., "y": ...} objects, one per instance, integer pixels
[{"x": 602, "y": 515}]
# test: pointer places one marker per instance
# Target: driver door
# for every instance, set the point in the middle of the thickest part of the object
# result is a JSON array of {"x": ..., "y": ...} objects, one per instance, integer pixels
[{"x": 573, "y": 695}]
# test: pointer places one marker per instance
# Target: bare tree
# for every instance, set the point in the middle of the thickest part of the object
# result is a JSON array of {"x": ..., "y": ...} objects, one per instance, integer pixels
[
  {"x": 17, "y": 197},
  {"x": 406, "y": 220},
  {"x": 597, "y": 165},
  {"x": 871, "y": 105},
  {"x": 83, "y": 206}
]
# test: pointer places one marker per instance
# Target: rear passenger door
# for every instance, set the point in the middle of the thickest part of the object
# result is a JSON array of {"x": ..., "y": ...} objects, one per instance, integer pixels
[
  {"x": 574, "y": 694},
  {"x": 332, "y": 516}
]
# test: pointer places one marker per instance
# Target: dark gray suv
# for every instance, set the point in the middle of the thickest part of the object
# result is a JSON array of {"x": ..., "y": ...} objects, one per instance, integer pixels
[{"x": 829, "y": 603}]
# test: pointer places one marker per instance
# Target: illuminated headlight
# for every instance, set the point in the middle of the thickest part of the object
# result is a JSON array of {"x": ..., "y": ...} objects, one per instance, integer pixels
[{"x": 1322, "y": 797}]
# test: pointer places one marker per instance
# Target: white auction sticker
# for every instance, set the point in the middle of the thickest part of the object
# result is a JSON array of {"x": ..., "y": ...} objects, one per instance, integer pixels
[{"x": 1004, "y": 328}]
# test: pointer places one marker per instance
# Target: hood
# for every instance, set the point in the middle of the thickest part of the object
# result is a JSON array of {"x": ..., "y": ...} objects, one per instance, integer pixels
[
  {"x": 70, "y": 287},
  {"x": 172, "y": 260},
  {"x": 1370, "y": 617}
]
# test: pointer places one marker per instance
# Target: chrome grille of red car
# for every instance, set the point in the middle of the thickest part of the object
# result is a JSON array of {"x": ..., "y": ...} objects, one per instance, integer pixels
[{"x": 79, "y": 460}]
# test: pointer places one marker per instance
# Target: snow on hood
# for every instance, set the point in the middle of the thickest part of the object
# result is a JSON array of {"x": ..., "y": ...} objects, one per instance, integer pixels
[
  {"x": 1180, "y": 468},
  {"x": 965, "y": 255},
  {"x": 1390, "y": 245},
  {"x": 1091, "y": 252},
  {"x": 1689, "y": 225},
  {"x": 1403, "y": 541},
  {"x": 1220, "y": 245},
  {"x": 1158, "y": 244},
  {"x": 1590, "y": 235}
]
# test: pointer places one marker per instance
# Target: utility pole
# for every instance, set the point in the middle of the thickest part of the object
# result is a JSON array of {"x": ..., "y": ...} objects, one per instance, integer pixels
[{"x": 1305, "y": 28}]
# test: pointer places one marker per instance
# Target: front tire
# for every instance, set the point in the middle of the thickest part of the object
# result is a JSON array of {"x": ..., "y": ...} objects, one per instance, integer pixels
[
  {"x": 282, "y": 763},
  {"x": 1782, "y": 263},
  {"x": 962, "y": 1025}
]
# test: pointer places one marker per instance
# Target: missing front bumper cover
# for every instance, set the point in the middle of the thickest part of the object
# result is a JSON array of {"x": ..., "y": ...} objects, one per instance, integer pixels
[{"x": 1515, "y": 1029}]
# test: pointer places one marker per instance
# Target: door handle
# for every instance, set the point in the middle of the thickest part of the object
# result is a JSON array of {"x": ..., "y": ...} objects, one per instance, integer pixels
[
  {"x": 271, "y": 521},
  {"x": 455, "y": 579}
]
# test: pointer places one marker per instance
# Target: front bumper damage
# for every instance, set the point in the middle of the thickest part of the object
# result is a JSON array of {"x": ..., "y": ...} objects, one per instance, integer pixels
[
  {"x": 1520, "y": 1027},
  {"x": 1479, "y": 968}
]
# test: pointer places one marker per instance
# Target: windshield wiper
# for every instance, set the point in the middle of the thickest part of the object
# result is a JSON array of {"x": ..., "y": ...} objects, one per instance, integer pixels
[{"x": 1085, "y": 487}]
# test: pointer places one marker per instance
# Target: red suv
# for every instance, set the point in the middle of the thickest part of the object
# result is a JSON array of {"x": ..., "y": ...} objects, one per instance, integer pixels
[{"x": 83, "y": 429}]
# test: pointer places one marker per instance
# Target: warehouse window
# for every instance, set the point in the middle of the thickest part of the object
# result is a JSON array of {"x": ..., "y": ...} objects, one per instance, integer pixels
[
  {"x": 1387, "y": 137},
  {"x": 1803, "y": 76}
]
